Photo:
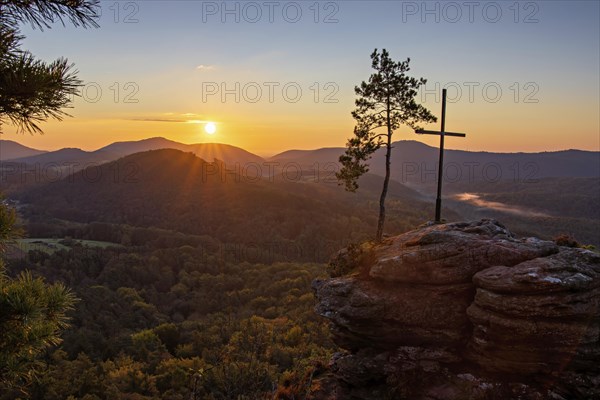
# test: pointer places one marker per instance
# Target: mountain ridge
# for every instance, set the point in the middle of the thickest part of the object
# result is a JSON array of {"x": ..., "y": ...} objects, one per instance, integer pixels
[
  {"x": 9, "y": 149},
  {"x": 573, "y": 199},
  {"x": 207, "y": 151},
  {"x": 413, "y": 162},
  {"x": 179, "y": 191},
  {"x": 433, "y": 147}
]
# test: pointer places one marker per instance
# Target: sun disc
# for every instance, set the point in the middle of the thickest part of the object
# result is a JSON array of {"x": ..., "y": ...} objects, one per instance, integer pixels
[{"x": 210, "y": 128}]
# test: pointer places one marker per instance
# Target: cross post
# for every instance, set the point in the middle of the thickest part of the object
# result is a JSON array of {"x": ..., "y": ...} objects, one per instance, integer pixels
[{"x": 442, "y": 133}]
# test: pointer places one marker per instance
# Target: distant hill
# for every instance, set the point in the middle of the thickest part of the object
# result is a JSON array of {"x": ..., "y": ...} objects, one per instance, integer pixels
[
  {"x": 77, "y": 157},
  {"x": 39, "y": 168},
  {"x": 540, "y": 194},
  {"x": 10, "y": 150},
  {"x": 206, "y": 151},
  {"x": 19, "y": 173},
  {"x": 416, "y": 163},
  {"x": 176, "y": 190},
  {"x": 310, "y": 157},
  {"x": 121, "y": 149},
  {"x": 412, "y": 162},
  {"x": 489, "y": 166}
]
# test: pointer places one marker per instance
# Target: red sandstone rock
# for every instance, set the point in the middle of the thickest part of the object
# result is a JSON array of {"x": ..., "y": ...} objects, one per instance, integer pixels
[{"x": 429, "y": 307}]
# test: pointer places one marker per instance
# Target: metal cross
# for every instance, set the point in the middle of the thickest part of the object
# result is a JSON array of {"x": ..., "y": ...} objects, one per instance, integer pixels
[{"x": 442, "y": 133}]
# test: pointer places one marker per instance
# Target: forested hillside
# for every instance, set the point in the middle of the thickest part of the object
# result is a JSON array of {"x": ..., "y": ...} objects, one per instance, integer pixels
[
  {"x": 205, "y": 293},
  {"x": 178, "y": 191},
  {"x": 181, "y": 322}
]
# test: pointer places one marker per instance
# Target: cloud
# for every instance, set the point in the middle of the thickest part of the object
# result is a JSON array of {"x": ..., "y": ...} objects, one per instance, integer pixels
[
  {"x": 203, "y": 67},
  {"x": 151, "y": 119},
  {"x": 189, "y": 118},
  {"x": 197, "y": 121}
]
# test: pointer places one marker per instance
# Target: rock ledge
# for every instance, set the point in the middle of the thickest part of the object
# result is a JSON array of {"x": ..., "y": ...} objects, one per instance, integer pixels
[{"x": 464, "y": 310}]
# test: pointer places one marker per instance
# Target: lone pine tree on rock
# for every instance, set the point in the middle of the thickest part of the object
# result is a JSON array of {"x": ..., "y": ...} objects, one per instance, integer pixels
[{"x": 384, "y": 103}]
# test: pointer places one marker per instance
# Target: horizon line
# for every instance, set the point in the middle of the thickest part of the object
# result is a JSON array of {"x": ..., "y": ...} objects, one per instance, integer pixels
[{"x": 264, "y": 154}]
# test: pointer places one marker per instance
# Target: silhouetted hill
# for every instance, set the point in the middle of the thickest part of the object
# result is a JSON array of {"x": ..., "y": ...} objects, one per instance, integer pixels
[
  {"x": 413, "y": 162},
  {"x": 135, "y": 146},
  {"x": 540, "y": 194},
  {"x": 487, "y": 166},
  {"x": 207, "y": 151},
  {"x": 530, "y": 201},
  {"x": 15, "y": 174},
  {"x": 10, "y": 150},
  {"x": 310, "y": 157},
  {"x": 78, "y": 157},
  {"x": 416, "y": 163},
  {"x": 179, "y": 191},
  {"x": 23, "y": 172}
]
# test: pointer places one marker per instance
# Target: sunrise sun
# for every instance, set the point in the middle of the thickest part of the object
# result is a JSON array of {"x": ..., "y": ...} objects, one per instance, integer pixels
[{"x": 210, "y": 128}]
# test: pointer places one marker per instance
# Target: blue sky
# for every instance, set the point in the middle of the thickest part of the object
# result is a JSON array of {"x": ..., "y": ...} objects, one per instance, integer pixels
[{"x": 547, "y": 50}]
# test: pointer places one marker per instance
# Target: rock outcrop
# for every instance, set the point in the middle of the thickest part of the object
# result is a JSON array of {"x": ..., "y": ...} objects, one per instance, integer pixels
[{"x": 463, "y": 310}]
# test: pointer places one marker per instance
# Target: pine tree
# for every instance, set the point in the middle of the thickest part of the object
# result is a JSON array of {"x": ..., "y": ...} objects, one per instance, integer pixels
[
  {"x": 31, "y": 90},
  {"x": 385, "y": 102},
  {"x": 32, "y": 313}
]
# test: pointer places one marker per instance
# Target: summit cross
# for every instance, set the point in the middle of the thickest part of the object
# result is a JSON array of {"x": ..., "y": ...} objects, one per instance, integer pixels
[{"x": 442, "y": 134}]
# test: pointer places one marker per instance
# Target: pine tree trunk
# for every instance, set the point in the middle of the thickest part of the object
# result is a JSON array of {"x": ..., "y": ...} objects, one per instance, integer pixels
[{"x": 386, "y": 180}]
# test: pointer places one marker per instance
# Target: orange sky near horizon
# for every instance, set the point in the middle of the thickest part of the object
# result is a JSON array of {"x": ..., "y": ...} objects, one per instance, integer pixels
[
  {"x": 524, "y": 79},
  {"x": 489, "y": 127}
]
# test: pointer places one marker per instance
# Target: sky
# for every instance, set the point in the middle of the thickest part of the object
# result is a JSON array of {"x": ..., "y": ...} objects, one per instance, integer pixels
[{"x": 272, "y": 76}]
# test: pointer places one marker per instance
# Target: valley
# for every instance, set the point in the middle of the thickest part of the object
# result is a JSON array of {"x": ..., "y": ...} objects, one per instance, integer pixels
[
  {"x": 520, "y": 188},
  {"x": 324, "y": 200}
]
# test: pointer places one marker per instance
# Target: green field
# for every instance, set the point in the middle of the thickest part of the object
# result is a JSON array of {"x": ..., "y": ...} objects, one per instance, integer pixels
[{"x": 51, "y": 245}]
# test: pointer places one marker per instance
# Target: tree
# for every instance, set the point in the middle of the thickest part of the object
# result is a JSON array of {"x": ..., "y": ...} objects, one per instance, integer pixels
[
  {"x": 385, "y": 102},
  {"x": 31, "y": 316},
  {"x": 8, "y": 225},
  {"x": 32, "y": 313},
  {"x": 32, "y": 90}
]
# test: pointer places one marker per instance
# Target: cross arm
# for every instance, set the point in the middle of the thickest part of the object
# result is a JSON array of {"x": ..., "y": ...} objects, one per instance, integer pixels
[{"x": 426, "y": 132}]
